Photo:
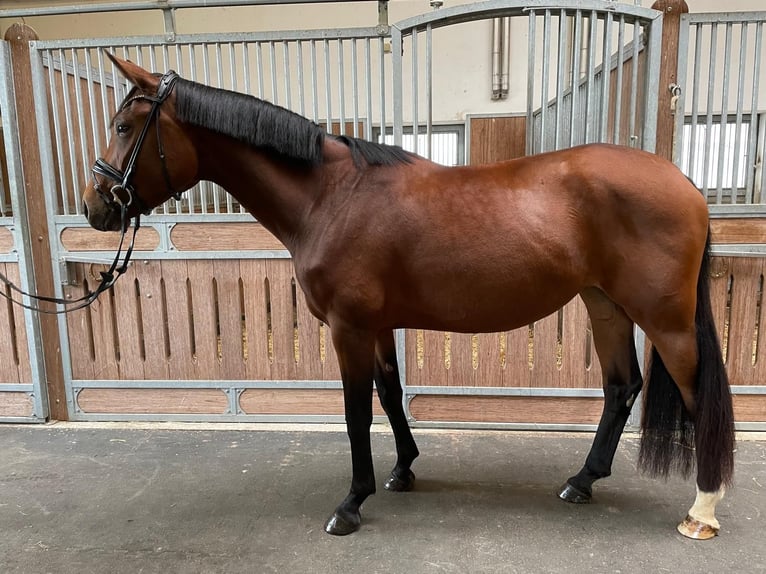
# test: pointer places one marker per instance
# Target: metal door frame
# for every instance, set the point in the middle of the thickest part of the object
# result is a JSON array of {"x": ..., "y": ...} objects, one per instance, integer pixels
[{"x": 22, "y": 253}]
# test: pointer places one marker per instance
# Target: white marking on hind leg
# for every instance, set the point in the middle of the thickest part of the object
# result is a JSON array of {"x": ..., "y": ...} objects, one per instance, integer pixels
[{"x": 703, "y": 509}]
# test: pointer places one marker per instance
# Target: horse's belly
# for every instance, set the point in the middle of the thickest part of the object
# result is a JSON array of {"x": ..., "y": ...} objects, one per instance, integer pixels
[{"x": 472, "y": 306}]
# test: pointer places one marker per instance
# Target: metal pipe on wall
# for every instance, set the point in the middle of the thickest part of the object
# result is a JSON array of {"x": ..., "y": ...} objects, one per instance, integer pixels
[{"x": 501, "y": 59}]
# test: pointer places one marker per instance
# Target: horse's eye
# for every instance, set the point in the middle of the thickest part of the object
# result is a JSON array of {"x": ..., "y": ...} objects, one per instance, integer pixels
[{"x": 122, "y": 129}]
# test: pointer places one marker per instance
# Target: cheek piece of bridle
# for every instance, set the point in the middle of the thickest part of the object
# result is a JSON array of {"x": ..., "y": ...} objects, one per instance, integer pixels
[{"x": 123, "y": 186}]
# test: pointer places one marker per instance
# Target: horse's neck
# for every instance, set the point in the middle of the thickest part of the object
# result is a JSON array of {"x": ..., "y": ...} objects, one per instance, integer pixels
[{"x": 267, "y": 187}]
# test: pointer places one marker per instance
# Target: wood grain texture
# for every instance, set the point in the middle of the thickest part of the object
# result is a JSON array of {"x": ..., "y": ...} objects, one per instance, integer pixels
[
  {"x": 297, "y": 402},
  {"x": 159, "y": 401},
  {"x": 551, "y": 410},
  {"x": 6, "y": 240},
  {"x": 19, "y": 36},
  {"x": 218, "y": 236},
  {"x": 497, "y": 139},
  {"x": 13, "y": 404},
  {"x": 87, "y": 239},
  {"x": 750, "y": 408},
  {"x": 10, "y": 345},
  {"x": 745, "y": 230}
]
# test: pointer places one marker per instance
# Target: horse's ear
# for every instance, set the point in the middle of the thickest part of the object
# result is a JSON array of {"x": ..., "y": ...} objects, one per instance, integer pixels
[{"x": 136, "y": 75}]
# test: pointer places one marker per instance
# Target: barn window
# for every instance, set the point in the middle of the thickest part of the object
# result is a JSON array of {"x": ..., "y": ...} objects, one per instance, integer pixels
[
  {"x": 719, "y": 156},
  {"x": 447, "y": 143}
]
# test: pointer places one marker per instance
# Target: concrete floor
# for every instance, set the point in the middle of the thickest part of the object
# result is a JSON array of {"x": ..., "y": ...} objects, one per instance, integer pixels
[{"x": 116, "y": 499}]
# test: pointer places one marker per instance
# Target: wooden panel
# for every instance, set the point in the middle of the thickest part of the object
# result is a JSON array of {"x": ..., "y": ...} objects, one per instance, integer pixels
[
  {"x": 738, "y": 230},
  {"x": 6, "y": 240},
  {"x": 551, "y": 410},
  {"x": 258, "y": 363},
  {"x": 231, "y": 349},
  {"x": 503, "y": 360},
  {"x": 280, "y": 273},
  {"x": 497, "y": 139},
  {"x": 13, "y": 404},
  {"x": 229, "y": 236},
  {"x": 181, "y": 356},
  {"x": 138, "y": 401},
  {"x": 14, "y": 357},
  {"x": 88, "y": 239},
  {"x": 298, "y": 402},
  {"x": 750, "y": 408},
  {"x": 204, "y": 319},
  {"x": 154, "y": 328},
  {"x": 9, "y": 360}
]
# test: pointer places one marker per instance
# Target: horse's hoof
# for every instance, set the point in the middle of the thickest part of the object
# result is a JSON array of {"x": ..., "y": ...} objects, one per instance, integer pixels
[
  {"x": 341, "y": 524},
  {"x": 400, "y": 483},
  {"x": 693, "y": 528},
  {"x": 571, "y": 494}
]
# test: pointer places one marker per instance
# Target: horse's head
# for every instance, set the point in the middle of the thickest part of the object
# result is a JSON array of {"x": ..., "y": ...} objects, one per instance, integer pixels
[{"x": 150, "y": 156}]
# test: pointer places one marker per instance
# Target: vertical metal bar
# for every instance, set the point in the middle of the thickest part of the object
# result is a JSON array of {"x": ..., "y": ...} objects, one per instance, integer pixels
[
  {"x": 194, "y": 195},
  {"x": 69, "y": 130},
  {"x": 246, "y": 67},
  {"x": 544, "y": 90},
  {"x": 368, "y": 83},
  {"x": 683, "y": 65},
  {"x": 218, "y": 66},
  {"x": 355, "y": 87},
  {"x": 753, "y": 131},
  {"x": 740, "y": 105},
  {"x": 651, "y": 83},
  {"x": 396, "y": 46},
  {"x": 606, "y": 77},
  {"x": 575, "y": 123},
  {"x": 341, "y": 89},
  {"x": 314, "y": 88},
  {"x": 618, "y": 83},
  {"x": 531, "y": 38},
  {"x": 693, "y": 151},
  {"x": 92, "y": 106},
  {"x": 104, "y": 88},
  {"x": 80, "y": 110},
  {"x": 590, "y": 126},
  {"x": 328, "y": 88},
  {"x": 301, "y": 90},
  {"x": 286, "y": 71},
  {"x": 723, "y": 132},
  {"x": 710, "y": 103},
  {"x": 259, "y": 66},
  {"x": 557, "y": 131},
  {"x": 57, "y": 132},
  {"x": 208, "y": 188},
  {"x": 396, "y": 37},
  {"x": 273, "y": 66},
  {"x": 634, "y": 86},
  {"x": 415, "y": 81},
  {"x": 429, "y": 90}
]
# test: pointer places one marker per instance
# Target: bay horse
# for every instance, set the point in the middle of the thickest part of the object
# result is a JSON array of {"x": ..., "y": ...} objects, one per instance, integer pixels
[{"x": 383, "y": 239}]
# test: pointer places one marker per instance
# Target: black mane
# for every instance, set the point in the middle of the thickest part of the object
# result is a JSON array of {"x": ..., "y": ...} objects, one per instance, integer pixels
[{"x": 264, "y": 125}]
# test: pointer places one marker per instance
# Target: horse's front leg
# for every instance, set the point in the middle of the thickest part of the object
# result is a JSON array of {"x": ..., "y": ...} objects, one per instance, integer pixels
[{"x": 356, "y": 355}]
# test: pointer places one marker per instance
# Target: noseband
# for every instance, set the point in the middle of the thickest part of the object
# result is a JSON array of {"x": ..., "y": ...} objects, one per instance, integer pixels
[{"x": 123, "y": 178}]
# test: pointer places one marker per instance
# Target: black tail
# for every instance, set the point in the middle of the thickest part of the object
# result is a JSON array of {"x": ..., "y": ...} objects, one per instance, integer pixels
[{"x": 669, "y": 433}]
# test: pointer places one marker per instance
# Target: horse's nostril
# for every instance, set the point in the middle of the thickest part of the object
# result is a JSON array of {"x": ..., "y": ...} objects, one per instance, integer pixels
[{"x": 85, "y": 209}]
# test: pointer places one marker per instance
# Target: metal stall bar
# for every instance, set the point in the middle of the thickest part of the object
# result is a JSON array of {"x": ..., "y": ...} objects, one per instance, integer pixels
[{"x": 36, "y": 388}]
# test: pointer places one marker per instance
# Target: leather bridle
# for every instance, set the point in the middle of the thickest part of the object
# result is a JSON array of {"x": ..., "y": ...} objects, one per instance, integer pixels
[
  {"x": 122, "y": 184},
  {"x": 123, "y": 178}
]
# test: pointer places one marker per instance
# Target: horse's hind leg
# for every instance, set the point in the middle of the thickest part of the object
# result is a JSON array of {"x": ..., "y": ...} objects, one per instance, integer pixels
[
  {"x": 390, "y": 394},
  {"x": 613, "y": 337}
]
